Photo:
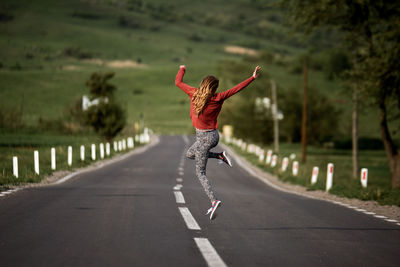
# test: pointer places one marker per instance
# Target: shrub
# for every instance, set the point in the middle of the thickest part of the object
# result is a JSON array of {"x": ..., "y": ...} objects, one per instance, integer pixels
[
  {"x": 76, "y": 52},
  {"x": 107, "y": 118},
  {"x": 5, "y": 17},
  {"x": 10, "y": 118}
]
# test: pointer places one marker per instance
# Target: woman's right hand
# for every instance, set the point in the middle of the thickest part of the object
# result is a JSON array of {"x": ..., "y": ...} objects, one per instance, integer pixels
[
  {"x": 255, "y": 73},
  {"x": 182, "y": 67}
]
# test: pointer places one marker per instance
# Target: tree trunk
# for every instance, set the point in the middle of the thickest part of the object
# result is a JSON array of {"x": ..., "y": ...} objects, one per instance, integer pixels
[
  {"x": 275, "y": 116},
  {"x": 390, "y": 148},
  {"x": 304, "y": 116},
  {"x": 355, "y": 132}
]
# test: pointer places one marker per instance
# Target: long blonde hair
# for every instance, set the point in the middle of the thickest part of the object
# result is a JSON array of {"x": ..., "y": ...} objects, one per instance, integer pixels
[{"x": 202, "y": 95}]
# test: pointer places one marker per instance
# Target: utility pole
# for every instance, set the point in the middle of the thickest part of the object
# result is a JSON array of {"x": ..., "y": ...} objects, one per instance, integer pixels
[
  {"x": 275, "y": 116},
  {"x": 304, "y": 116},
  {"x": 355, "y": 132}
]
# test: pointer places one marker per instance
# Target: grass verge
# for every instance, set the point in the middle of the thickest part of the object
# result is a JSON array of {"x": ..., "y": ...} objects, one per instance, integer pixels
[
  {"x": 379, "y": 186},
  {"x": 24, "y": 145}
]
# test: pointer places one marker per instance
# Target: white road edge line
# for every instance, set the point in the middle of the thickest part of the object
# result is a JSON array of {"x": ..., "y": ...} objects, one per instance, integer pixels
[
  {"x": 179, "y": 197},
  {"x": 209, "y": 253},
  {"x": 185, "y": 139},
  {"x": 112, "y": 160},
  {"x": 189, "y": 219},
  {"x": 179, "y": 180},
  {"x": 266, "y": 181}
]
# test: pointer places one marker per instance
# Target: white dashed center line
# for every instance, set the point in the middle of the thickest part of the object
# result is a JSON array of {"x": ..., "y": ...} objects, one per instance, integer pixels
[
  {"x": 189, "y": 219},
  {"x": 179, "y": 197},
  {"x": 209, "y": 253}
]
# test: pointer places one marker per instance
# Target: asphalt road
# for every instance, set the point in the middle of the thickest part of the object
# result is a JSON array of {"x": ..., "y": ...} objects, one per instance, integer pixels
[{"x": 126, "y": 214}]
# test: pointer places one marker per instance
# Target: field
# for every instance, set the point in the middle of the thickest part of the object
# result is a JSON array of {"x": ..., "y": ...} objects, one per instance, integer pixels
[{"x": 48, "y": 50}]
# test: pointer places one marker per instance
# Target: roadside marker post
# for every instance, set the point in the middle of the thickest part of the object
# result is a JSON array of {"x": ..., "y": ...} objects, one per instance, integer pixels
[
  {"x": 261, "y": 156},
  {"x": 93, "y": 152},
  {"x": 329, "y": 177},
  {"x": 53, "y": 158},
  {"x": 108, "y": 149},
  {"x": 364, "y": 177},
  {"x": 314, "y": 176},
  {"x": 101, "y": 150},
  {"x": 295, "y": 168},
  {"x": 69, "y": 155},
  {"x": 15, "y": 167},
  {"x": 36, "y": 161},
  {"x": 269, "y": 156},
  {"x": 82, "y": 153},
  {"x": 123, "y": 144},
  {"x": 130, "y": 142},
  {"x": 115, "y": 146},
  {"x": 119, "y": 146},
  {"x": 285, "y": 163},
  {"x": 274, "y": 160}
]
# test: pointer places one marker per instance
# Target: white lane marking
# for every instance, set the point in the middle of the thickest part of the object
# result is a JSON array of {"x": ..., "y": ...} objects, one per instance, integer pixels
[
  {"x": 179, "y": 180},
  {"x": 209, "y": 253},
  {"x": 185, "y": 139},
  {"x": 390, "y": 220},
  {"x": 189, "y": 219},
  {"x": 180, "y": 169},
  {"x": 178, "y": 187},
  {"x": 179, "y": 197},
  {"x": 180, "y": 173}
]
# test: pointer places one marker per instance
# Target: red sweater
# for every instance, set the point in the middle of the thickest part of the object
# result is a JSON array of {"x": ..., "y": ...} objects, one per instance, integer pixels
[{"x": 207, "y": 119}]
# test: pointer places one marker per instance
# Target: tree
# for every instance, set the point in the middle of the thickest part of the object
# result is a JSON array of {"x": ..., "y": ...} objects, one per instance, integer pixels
[
  {"x": 107, "y": 117},
  {"x": 370, "y": 28}
]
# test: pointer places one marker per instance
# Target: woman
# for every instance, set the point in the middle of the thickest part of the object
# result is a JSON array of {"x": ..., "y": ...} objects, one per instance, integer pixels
[{"x": 205, "y": 106}]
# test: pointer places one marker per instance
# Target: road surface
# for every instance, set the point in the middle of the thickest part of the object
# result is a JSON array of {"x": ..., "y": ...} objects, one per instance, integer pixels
[{"x": 148, "y": 210}]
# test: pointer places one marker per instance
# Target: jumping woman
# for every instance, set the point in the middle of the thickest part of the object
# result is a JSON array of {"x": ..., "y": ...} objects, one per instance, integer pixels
[{"x": 205, "y": 106}]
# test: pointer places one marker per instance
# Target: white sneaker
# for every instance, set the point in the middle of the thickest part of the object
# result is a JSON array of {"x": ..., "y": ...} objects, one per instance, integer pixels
[
  {"x": 213, "y": 209},
  {"x": 223, "y": 157}
]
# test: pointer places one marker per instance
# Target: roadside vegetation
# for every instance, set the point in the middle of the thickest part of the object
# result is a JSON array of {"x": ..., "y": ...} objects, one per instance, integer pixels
[{"x": 379, "y": 186}]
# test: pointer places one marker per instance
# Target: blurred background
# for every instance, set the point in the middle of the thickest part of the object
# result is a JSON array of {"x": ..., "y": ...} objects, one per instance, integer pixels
[{"x": 127, "y": 53}]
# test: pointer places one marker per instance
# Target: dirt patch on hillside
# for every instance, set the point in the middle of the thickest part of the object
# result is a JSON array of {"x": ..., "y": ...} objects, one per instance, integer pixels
[
  {"x": 116, "y": 63},
  {"x": 71, "y": 67},
  {"x": 125, "y": 64},
  {"x": 241, "y": 50}
]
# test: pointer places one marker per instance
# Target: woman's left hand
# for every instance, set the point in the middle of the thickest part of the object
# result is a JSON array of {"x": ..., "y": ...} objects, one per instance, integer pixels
[{"x": 255, "y": 73}]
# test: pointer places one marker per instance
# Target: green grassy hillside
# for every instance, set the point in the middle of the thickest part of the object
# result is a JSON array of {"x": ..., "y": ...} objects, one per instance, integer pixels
[{"x": 48, "y": 49}]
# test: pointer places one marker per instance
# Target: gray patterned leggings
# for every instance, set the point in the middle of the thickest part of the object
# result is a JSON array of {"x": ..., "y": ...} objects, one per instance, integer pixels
[{"x": 200, "y": 151}]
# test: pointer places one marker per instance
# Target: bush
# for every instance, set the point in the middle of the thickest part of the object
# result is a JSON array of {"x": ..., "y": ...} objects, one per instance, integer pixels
[
  {"x": 127, "y": 22},
  {"x": 338, "y": 62},
  {"x": 76, "y": 52},
  {"x": 364, "y": 143},
  {"x": 107, "y": 118},
  {"x": 10, "y": 118},
  {"x": 86, "y": 15},
  {"x": 5, "y": 17}
]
